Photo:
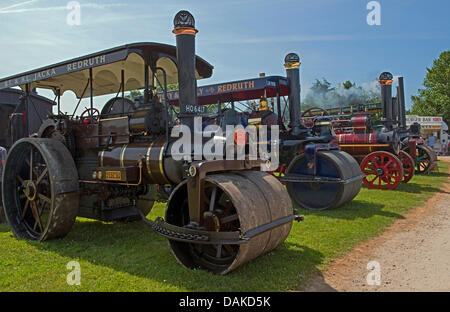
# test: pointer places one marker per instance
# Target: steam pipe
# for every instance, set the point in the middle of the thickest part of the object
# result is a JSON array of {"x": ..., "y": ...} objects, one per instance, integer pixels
[
  {"x": 386, "y": 98},
  {"x": 184, "y": 30},
  {"x": 401, "y": 100},
  {"x": 292, "y": 65}
]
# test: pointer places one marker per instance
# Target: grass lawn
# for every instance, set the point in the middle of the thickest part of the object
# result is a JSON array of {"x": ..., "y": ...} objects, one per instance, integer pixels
[{"x": 130, "y": 257}]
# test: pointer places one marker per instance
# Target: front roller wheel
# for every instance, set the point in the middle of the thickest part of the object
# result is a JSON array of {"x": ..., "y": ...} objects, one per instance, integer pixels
[
  {"x": 238, "y": 201},
  {"x": 40, "y": 189},
  {"x": 382, "y": 170},
  {"x": 319, "y": 195}
]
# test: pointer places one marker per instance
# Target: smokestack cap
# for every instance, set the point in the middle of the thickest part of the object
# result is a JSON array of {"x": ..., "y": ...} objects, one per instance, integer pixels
[
  {"x": 386, "y": 76},
  {"x": 292, "y": 60},
  {"x": 184, "y": 19}
]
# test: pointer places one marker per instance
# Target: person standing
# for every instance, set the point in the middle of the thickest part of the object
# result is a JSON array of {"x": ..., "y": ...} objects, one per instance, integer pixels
[
  {"x": 2, "y": 163},
  {"x": 431, "y": 140}
]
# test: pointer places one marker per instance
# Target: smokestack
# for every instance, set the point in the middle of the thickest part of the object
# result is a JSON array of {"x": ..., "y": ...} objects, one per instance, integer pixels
[
  {"x": 386, "y": 98},
  {"x": 184, "y": 30},
  {"x": 292, "y": 65},
  {"x": 401, "y": 103}
]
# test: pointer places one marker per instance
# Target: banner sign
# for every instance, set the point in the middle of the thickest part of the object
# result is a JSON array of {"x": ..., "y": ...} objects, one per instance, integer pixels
[{"x": 66, "y": 68}]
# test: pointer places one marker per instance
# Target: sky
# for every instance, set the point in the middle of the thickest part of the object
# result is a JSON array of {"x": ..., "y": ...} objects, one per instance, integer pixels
[{"x": 239, "y": 38}]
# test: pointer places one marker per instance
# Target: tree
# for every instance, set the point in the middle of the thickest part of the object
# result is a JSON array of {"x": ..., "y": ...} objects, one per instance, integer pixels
[
  {"x": 434, "y": 99},
  {"x": 348, "y": 84}
]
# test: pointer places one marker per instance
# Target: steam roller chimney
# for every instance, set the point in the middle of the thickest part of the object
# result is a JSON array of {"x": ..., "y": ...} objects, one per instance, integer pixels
[
  {"x": 184, "y": 30},
  {"x": 386, "y": 98},
  {"x": 292, "y": 65},
  {"x": 401, "y": 103}
]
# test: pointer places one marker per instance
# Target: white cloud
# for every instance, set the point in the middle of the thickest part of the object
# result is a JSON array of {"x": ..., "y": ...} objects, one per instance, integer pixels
[{"x": 11, "y": 10}]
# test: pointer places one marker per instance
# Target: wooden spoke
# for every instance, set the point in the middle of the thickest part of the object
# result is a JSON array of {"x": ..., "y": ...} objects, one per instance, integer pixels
[
  {"x": 229, "y": 218},
  {"x": 41, "y": 176},
  {"x": 20, "y": 179},
  {"x": 37, "y": 218},
  {"x": 213, "y": 199},
  {"x": 44, "y": 198},
  {"x": 25, "y": 209}
]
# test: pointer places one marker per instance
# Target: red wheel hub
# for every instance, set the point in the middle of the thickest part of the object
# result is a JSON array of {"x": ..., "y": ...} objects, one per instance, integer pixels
[{"x": 382, "y": 170}]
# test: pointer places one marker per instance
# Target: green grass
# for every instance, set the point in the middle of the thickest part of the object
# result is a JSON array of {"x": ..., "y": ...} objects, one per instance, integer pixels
[{"x": 130, "y": 257}]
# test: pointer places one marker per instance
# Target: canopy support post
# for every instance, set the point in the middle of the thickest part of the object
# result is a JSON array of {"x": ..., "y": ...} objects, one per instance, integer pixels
[
  {"x": 27, "y": 108},
  {"x": 58, "y": 94},
  {"x": 280, "y": 118},
  {"x": 123, "y": 91},
  {"x": 146, "y": 85},
  {"x": 91, "y": 85}
]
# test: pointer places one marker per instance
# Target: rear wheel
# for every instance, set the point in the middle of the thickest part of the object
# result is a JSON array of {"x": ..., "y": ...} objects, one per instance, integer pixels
[
  {"x": 424, "y": 158},
  {"x": 321, "y": 196},
  {"x": 40, "y": 189},
  {"x": 408, "y": 166},
  {"x": 382, "y": 170}
]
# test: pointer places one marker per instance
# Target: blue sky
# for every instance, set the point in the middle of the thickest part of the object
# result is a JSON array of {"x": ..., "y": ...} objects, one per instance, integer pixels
[{"x": 240, "y": 38}]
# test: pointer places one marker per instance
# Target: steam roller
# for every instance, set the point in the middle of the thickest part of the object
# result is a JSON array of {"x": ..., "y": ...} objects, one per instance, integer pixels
[
  {"x": 105, "y": 164},
  {"x": 235, "y": 201}
]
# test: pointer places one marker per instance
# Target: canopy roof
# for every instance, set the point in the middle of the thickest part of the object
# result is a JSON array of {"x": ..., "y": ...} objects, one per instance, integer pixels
[
  {"x": 107, "y": 69},
  {"x": 240, "y": 90}
]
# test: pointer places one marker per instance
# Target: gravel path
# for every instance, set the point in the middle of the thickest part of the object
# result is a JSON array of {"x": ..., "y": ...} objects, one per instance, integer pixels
[{"x": 413, "y": 254}]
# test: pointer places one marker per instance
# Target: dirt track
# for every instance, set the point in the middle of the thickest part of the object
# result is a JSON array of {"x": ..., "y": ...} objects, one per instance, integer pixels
[{"x": 414, "y": 254}]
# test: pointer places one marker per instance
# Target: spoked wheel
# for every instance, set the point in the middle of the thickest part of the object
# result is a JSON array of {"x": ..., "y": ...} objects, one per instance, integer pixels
[
  {"x": 40, "y": 189},
  {"x": 321, "y": 196},
  {"x": 408, "y": 166},
  {"x": 238, "y": 201},
  {"x": 424, "y": 159},
  {"x": 308, "y": 115},
  {"x": 382, "y": 170}
]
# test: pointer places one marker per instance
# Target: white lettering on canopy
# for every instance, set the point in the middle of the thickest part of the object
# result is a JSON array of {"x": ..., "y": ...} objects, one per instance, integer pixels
[{"x": 80, "y": 65}]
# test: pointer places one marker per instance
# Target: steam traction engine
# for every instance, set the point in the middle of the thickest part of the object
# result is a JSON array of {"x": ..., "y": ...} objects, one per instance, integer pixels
[
  {"x": 316, "y": 173},
  {"x": 411, "y": 141},
  {"x": 221, "y": 214},
  {"x": 382, "y": 161}
]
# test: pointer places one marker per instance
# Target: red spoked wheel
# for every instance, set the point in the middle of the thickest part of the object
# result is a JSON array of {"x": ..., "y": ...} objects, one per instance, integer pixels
[
  {"x": 382, "y": 170},
  {"x": 408, "y": 166}
]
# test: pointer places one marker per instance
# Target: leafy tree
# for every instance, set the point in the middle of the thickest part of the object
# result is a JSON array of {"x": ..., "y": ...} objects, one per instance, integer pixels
[
  {"x": 348, "y": 84},
  {"x": 434, "y": 99}
]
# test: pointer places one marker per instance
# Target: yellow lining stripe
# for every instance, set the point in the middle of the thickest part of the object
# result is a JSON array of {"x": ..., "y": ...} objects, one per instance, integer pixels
[
  {"x": 161, "y": 168},
  {"x": 366, "y": 145},
  {"x": 148, "y": 161},
  {"x": 101, "y": 158},
  {"x": 122, "y": 154},
  {"x": 114, "y": 118}
]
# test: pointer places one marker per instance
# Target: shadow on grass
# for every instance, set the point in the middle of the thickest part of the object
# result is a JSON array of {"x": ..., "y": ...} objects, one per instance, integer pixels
[
  {"x": 416, "y": 188},
  {"x": 135, "y": 249},
  {"x": 4, "y": 227},
  {"x": 354, "y": 210}
]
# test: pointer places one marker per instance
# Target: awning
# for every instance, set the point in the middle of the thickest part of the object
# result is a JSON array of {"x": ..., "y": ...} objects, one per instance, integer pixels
[
  {"x": 240, "y": 90},
  {"x": 107, "y": 69}
]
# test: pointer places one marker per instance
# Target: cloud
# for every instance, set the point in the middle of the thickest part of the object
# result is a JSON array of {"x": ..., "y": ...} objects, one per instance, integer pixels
[
  {"x": 18, "y": 5},
  {"x": 11, "y": 10}
]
